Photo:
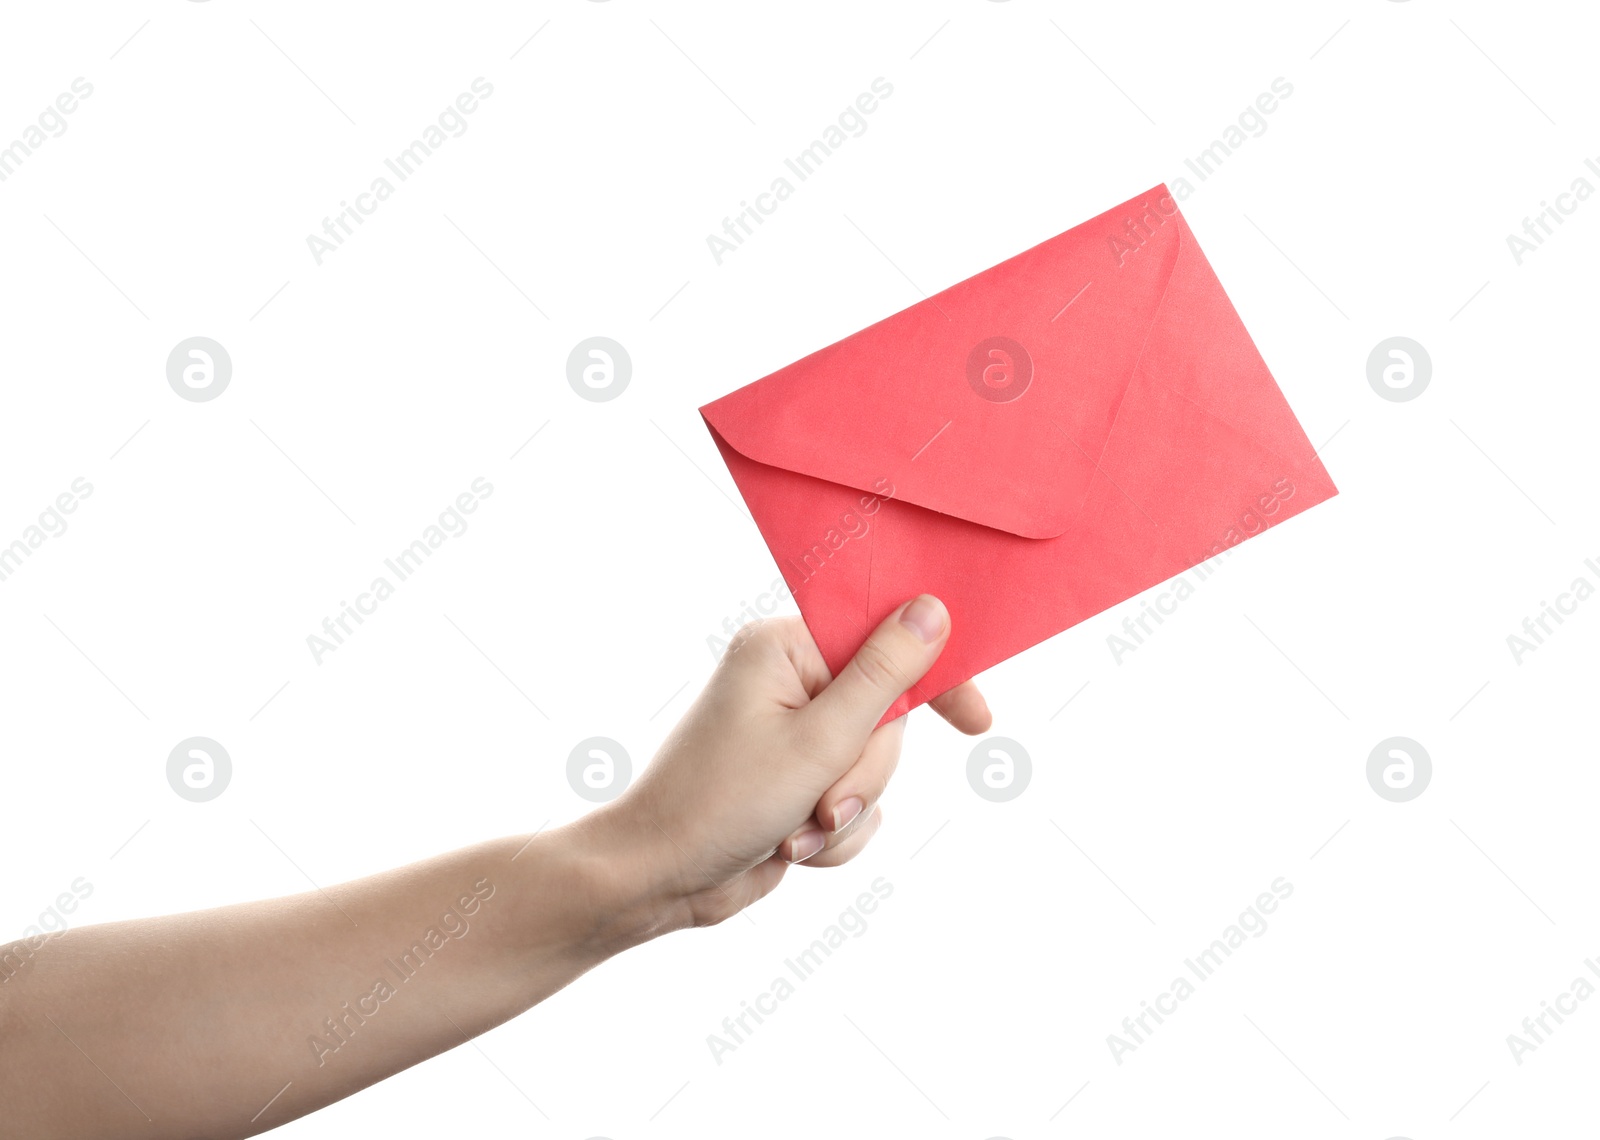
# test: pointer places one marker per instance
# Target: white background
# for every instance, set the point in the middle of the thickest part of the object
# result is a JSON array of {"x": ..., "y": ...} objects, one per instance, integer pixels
[{"x": 369, "y": 391}]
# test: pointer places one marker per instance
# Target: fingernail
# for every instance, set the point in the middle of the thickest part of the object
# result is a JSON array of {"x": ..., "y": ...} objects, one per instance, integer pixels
[
  {"x": 925, "y": 617},
  {"x": 846, "y": 811},
  {"x": 807, "y": 844}
]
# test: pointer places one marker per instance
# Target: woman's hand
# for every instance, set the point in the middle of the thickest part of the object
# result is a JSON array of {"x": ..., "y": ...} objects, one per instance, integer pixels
[{"x": 777, "y": 763}]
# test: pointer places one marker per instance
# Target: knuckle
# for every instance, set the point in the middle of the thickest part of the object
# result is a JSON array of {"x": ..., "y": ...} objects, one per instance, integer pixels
[
  {"x": 759, "y": 634},
  {"x": 877, "y": 667}
]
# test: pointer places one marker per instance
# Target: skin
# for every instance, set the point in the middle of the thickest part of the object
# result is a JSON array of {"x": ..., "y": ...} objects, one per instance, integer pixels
[{"x": 188, "y": 1025}]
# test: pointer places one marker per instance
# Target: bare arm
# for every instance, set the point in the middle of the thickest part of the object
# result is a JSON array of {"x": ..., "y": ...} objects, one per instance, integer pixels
[
  {"x": 228, "y": 1022},
  {"x": 188, "y": 1025}
]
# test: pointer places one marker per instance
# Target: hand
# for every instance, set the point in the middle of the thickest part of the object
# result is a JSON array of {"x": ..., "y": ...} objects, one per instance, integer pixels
[{"x": 778, "y": 763}]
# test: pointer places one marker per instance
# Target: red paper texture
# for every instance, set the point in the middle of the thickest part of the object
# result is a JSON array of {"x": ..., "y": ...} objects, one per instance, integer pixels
[{"x": 1148, "y": 437}]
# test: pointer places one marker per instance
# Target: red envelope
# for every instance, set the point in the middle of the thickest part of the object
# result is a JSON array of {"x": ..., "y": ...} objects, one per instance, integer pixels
[{"x": 1033, "y": 445}]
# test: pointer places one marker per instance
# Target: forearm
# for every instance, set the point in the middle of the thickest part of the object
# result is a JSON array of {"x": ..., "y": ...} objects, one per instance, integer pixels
[
  {"x": 188, "y": 1025},
  {"x": 229, "y": 1022}
]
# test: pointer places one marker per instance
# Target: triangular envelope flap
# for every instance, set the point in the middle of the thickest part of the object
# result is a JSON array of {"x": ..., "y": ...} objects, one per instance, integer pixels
[
  {"x": 1200, "y": 350},
  {"x": 990, "y": 401}
]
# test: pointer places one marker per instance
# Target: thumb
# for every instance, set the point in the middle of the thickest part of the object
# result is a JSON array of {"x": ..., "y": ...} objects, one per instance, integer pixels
[{"x": 894, "y": 658}]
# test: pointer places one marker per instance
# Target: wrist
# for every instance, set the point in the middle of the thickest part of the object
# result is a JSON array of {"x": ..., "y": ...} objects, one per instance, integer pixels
[{"x": 618, "y": 889}]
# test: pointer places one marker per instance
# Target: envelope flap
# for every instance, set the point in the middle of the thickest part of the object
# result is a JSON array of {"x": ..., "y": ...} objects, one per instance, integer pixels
[{"x": 991, "y": 401}]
